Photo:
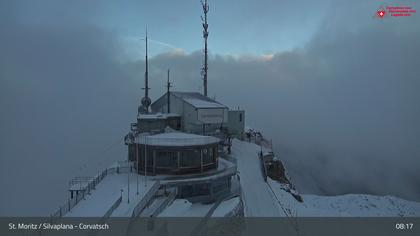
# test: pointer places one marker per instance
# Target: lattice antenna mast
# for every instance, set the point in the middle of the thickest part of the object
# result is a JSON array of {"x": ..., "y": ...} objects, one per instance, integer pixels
[
  {"x": 146, "y": 101},
  {"x": 146, "y": 73},
  {"x": 168, "y": 87},
  {"x": 205, "y": 35}
]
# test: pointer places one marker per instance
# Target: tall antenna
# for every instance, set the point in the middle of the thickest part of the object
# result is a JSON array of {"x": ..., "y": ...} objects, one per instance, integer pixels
[
  {"x": 168, "y": 86},
  {"x": 205, "y": 35},
  {"x": 145, "y": 101},
  {"x": 146, "y": 73}
]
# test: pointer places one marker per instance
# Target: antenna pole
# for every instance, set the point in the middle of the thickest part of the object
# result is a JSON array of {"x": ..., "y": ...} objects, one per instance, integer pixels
[
  {"x": 146, "y": 101},
  {"x": 205, "y": 35},
  {"x": 128, "y": 182},
  {"x": 146, "y": 73},
  {"x": 168, "y": 86}
]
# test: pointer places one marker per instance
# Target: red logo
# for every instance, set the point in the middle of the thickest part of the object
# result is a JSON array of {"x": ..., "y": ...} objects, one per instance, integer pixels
[
  {"x": 394, "y": 11},
  {"x": 381, "y": 13}
]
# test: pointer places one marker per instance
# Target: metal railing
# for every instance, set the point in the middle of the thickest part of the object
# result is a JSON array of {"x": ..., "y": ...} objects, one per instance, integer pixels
[
  {"x": 263, "y": 167},
  {"x": 79, "y": 183},
  {"x": 174, "y": 180},
  {"x": 66, "y": 207},
  {"x": 169, "y": 199},
  {"x": 113, "y": 207},
  {"x": 145, "y": 200},
  {"x": 88, "y": 187}
]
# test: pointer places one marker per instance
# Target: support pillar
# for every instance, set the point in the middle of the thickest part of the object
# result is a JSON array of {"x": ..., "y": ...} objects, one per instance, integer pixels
[
  {"x": 154, "y": 162},
  {"x": 178, "y": 156},
  {"x": 201, "y": 160},
  {"x": 214, "y": 154},
  {"x": 211, "y": 190}
]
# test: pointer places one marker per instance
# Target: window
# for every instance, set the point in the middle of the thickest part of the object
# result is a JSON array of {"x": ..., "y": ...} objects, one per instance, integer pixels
[
  {"x": 207, "y": 156},
  {"x": 240, "y": 117},
  {"x": 190, "y": 158},
  {"x": 166, "y": 159}
]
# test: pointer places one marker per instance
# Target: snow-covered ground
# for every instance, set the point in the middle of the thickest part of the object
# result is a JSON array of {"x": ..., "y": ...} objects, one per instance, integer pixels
[
  {"x": 184, "y": 208},
  {"x": 355, "y": 205},
  {"x": 226, "y": 207},
  {"x": 257, "y": 197},
  {"x": 264, "y": 199},
  {"x": 107, "y": 192}
]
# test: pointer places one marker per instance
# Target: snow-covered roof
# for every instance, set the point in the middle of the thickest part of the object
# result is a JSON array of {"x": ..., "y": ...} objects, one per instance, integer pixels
[
  {"x": 156, "y": 116},
  {"x": 176, "y": 139},
  {"x": 197, "y": 103},
  {"x": 198, "y": 100}
]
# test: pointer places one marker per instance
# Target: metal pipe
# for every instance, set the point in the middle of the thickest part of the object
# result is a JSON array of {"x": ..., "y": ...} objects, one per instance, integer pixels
[
  {"x": 137, "y": 168},
  {"x": 145, "y": 161}
]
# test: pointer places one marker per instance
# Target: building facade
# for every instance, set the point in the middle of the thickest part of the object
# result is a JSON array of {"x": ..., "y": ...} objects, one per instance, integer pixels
[
  {"x": 200, "y": 114},
  {"x": 174, "y": 153}
]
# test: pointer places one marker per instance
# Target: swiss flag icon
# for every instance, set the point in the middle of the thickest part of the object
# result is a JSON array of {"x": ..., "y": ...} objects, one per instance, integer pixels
[{"x": 381, "y": 13}]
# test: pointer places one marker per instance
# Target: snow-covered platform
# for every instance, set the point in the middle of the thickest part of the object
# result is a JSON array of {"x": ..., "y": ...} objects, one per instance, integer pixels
[
  {"x": 229, "y": 207},
  {"x": 257, "y": 197},
  {"x": 113, "y": 192},
  {"x": 184, "y": 208}
]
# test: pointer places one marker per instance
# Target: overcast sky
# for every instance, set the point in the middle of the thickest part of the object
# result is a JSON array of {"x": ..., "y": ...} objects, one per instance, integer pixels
[{"x": 333, "y": 86}]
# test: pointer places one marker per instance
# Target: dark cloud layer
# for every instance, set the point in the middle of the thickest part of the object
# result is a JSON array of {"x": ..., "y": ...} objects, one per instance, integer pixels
[
  {"x": 342, "y": 111},
  {"x": 64, "y": 99}
]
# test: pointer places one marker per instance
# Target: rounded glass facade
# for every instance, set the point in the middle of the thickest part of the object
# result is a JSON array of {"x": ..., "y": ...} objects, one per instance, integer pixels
[{"x": 174, "y": 160}]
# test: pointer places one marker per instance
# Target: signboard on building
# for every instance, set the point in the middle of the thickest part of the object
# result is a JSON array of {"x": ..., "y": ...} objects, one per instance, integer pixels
[{"x": 211, "y": 116}]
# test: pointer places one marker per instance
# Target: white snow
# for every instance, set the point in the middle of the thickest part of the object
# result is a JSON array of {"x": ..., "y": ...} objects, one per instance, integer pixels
[
  {"x": 107, "y": 192},
  {"x": 198, "y": 103},
  {"x": 157, "y": 116},
  {"x": 126, "y": 209},
  {"x": 198, "y": 100},
  {"x": 363, "y": 205},
  {"x": 150, "y": 209},
  {"x": 353, "y": 205},
  {"x": 257, "y": 197},
  {"x": 184, "y": 208},
  {"x": 226, "y": 207}
]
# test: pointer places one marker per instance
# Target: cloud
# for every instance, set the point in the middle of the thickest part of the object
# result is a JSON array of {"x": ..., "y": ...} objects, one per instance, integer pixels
[{"x": 64, "y": 99}]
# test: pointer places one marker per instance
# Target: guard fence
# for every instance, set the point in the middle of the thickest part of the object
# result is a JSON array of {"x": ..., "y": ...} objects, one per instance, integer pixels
[{"x": 86, "y": 187}]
